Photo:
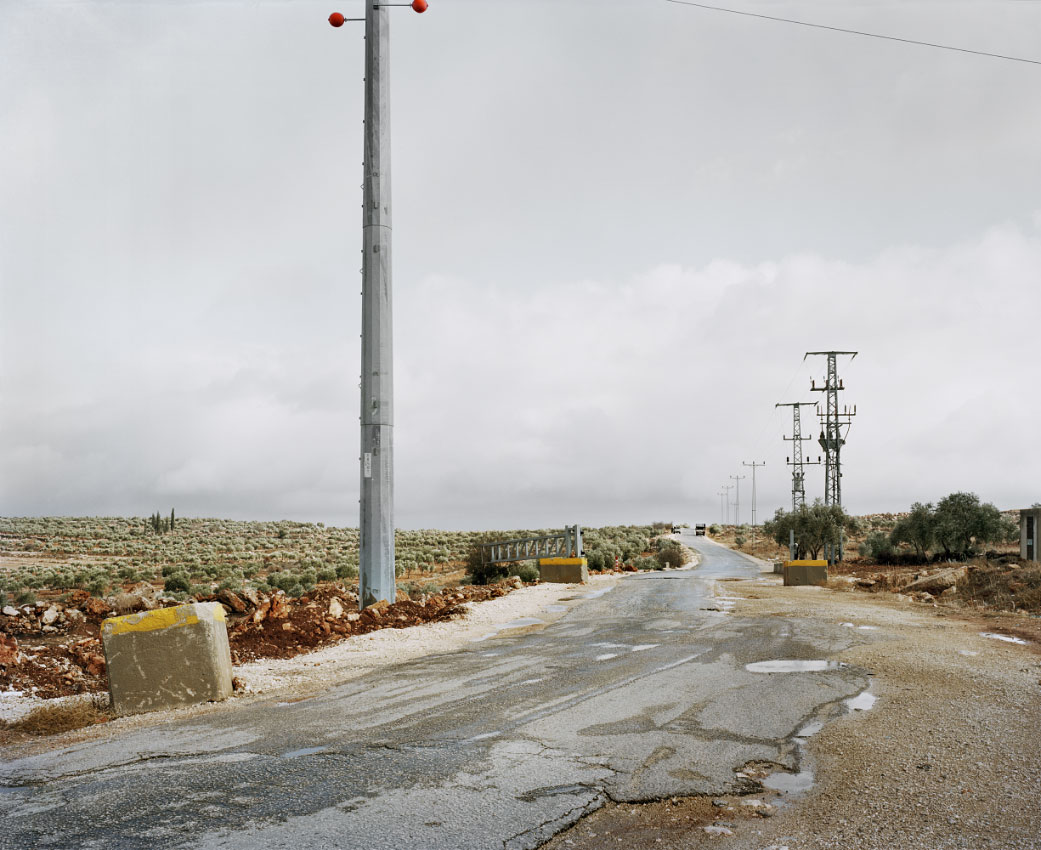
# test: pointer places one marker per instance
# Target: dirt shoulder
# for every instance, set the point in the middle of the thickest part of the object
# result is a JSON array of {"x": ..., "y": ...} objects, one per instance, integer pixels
[
  {"x": 949, "y": 755},
  {"x": 312, "y": 672}
]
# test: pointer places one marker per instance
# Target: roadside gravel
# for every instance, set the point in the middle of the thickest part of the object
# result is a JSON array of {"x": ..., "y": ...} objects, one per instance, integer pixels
[
  {"x": 314, "y": 672},
  {"x": 949, "y": 756}
]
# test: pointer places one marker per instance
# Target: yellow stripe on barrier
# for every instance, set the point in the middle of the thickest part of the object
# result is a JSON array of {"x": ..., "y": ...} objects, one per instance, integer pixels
[
  {"x": 562, "y": 562},
  {"x": 162, "y": 618}
]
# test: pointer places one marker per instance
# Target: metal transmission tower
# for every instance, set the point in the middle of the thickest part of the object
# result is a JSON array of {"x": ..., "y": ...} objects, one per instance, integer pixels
[
  {"x": 795, "y": 461},
  {"x": 737, "y": 479},
  {"x": 832, "y": 438},
  {"x": 722, "y": 514}
]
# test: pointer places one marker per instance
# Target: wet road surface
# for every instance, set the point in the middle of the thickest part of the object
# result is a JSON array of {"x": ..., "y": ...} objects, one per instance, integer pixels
[{"x": 638, "y": 693}]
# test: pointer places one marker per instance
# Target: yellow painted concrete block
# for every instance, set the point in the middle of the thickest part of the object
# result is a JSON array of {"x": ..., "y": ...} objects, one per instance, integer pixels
[
  {"x": 167, "y": 657},
  {"x": 799, "y": 573},
  {"x": 564, "y": 570}
]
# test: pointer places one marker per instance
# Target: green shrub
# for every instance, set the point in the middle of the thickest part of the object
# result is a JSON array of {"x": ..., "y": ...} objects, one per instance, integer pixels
[
  {"x": 715, "y": 528},
  {"x": 347, "y": 570},
  {"x": 740, "y": 541},
  {"x": 671, "y": 556},
  {"x": 177, "y": 582},
  {"x": 525, "y": 572},
  {"x": 878, "y": 546},
  {"x": 326, "y": 574},
  {"x": 25, "y": 596},
  {"x": 647, "y": 563}
]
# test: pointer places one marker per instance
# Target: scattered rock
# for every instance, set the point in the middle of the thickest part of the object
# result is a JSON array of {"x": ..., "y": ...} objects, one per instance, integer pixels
[
  {"x": 279, "y": 607},
  {"x": 9, "y": 654},
  {"x": 51, "y": 615},
  {"x": 936, "y": 583},
  {"x": 96, "y": 608},
  {"x": 718, "y": 830},
  {"x": 335, "y": 608},
  {"x": 233, "y": 601},
  {"x": 10, "y": 612}
]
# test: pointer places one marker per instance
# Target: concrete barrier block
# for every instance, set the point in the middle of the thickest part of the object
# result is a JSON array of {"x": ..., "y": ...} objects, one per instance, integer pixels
[
  {"x": 798, "y": 573},
  {"x": 564, "y": 570},
  {"x": 167, "y": 658}
]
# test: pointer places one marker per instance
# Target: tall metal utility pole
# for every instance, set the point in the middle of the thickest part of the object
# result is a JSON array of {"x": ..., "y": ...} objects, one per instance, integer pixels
[
  {"x": 376, "y": 559},
  {"x": 753, "y": 464},
  {"x": 737, "y": 497},
  {"x": 722, "y": 515},
  {"x": 795, "y": 461},
  {"x": 833, "y": 421},
  {"x": 376, "y": 523},
  {"x": 727, "y": 488}
]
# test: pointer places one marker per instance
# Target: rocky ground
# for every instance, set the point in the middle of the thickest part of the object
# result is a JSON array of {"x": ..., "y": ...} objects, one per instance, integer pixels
[
  {"x": 948, "y": 756},
  {"x": 53, "y": 649}
]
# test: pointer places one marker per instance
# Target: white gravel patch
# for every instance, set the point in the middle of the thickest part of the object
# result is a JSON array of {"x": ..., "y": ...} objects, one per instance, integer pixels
[{"x": 357, "y": 656}]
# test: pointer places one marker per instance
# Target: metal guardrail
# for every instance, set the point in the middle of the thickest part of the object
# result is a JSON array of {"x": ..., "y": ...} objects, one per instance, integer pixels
[{"x": 567, "y": 544}]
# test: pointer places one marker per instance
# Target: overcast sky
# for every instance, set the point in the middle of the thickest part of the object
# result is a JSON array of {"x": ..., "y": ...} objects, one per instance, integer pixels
[{"x": 618, "y": 226}]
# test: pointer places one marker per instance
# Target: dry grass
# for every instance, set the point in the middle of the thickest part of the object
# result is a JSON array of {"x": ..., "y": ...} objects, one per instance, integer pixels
[
  {"x": 51, "y": 719},
  {"x": 1003, "y": 587}
]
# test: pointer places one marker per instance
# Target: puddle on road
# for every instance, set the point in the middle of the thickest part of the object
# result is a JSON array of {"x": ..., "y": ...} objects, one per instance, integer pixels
[
  {"x": 641, "y": 647},
  {"x": 791, "y": 665},
  {"x": 1006, "y": 638},
  {"x": 968, "y": 652},
  {"x": 790, "y": 783},
  {"x": 306, "y": 751},
  {"x": 556, "y": 609},
  {"x": 606, "y": 656},
  {"x": 802, "y": 780},
  {"x": 863, "y": 701},
  {"x": 595, "y": 594},
  {"x": 521, "y": 623}
]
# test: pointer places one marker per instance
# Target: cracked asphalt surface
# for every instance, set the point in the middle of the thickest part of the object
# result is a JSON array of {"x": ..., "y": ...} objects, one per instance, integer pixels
[{"x": 636, "y": 694}]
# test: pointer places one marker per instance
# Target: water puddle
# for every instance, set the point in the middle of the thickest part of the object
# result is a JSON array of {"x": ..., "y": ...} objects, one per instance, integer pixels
[
  {"x": 863, "y": 701},
  {"x": 802, "y": 780},
  {"x": 868, "y": 628},
  {"x": 521, "y": 623},
  {"x": 968, "y": 652},
  {"x": 306, "y": 751},
  {"x": 790, "y": 783},
  {"x": 810, "y": 729},
  {"x": 641, "y": 647},
  {"x": 1006, "y": 638},
  {"x": 596, "y": 594},
  {"x": 606, "y": 656},
  {"x": 556, "y": 609},
  {"x": 791, "y": 665}
]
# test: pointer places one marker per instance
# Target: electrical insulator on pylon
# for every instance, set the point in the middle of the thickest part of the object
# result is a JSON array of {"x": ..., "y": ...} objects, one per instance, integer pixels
[
  {"x": 420, "y": 5},
  {"x": 336, "y": 19}
]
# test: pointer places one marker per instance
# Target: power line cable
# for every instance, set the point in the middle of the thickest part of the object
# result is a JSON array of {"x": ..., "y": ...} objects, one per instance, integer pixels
[{"x": 856, "y": 32}]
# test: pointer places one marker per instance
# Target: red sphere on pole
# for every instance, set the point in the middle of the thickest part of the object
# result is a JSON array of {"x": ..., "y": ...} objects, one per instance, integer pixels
[
  {"x": 336, "y": 19},
  {"x": 420, "y": 5}
]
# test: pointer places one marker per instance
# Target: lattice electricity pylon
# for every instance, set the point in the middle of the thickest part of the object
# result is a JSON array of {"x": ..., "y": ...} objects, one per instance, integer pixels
[
  {"x": 795, "y": 461},
  {"x": 832, "y": 438}
]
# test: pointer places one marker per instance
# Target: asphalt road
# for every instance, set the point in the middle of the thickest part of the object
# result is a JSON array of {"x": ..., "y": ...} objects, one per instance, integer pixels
[{"x": 637, "y": 693}]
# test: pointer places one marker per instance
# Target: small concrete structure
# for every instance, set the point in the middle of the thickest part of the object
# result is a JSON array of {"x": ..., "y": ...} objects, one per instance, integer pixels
[
  {"x": 564, "y": 570},
  {"x": 168, "y": 657},
  {"x": 1029, "y": 526},
  {"x": 798, "y": 573}
]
